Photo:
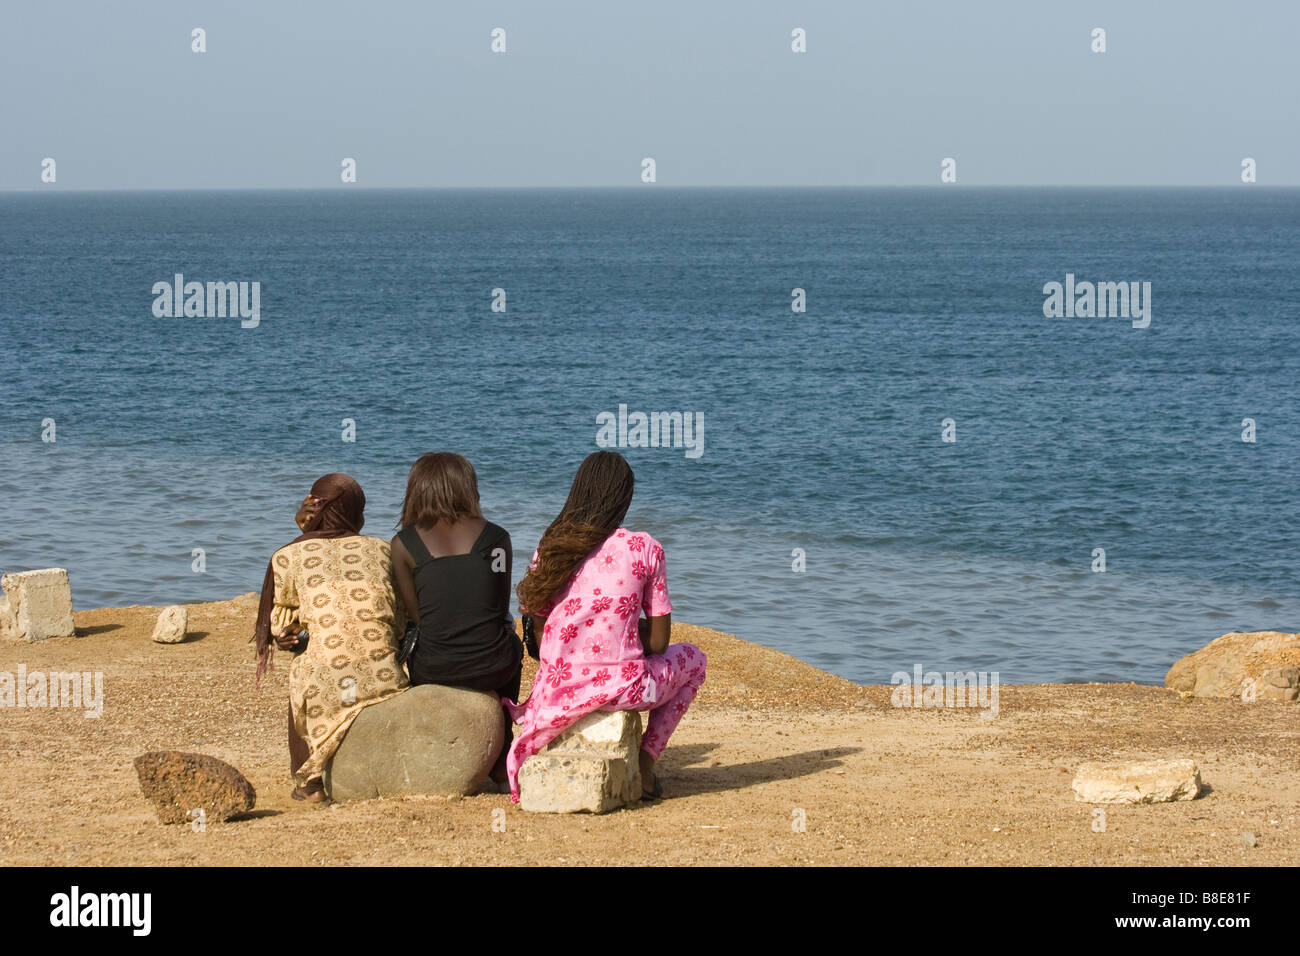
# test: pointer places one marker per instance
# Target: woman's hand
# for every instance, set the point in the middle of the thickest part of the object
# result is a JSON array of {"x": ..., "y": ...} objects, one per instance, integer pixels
[
  {"x": 289, "y": 639},
  {"x": 306, "y": 511}
]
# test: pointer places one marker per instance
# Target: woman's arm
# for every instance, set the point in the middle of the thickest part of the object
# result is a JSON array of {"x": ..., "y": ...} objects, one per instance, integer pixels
[
  {"x": 656, "y": 633},
  {"x": 284, "y": 609},
  {"x": 656, "y": 627},
  {"x": 405, "y": 581}
]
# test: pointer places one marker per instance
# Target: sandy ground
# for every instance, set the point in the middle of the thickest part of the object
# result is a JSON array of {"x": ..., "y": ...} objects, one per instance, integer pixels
[{"x": 768, "y": 737}]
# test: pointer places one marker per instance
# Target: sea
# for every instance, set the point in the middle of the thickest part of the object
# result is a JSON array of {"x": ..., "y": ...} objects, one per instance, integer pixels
[{"x": 908, "y": 462}]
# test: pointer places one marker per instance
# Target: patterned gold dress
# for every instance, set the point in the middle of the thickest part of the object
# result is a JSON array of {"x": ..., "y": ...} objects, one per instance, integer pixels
[{"x": 341, "y": 591}]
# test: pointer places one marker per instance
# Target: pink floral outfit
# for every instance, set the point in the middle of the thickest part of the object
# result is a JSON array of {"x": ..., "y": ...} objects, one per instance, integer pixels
[{"x": 591, "y": 653}]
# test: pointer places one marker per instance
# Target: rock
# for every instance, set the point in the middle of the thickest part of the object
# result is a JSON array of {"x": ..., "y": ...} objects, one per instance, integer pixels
[
  {"x": 1263, "y": 665},
  {"x": 40, "y": 605},
  {"x": 177, "y": 783},
  {"x": 592, "y": 766},
  {"x": 1279, "y": 683},
  {"x": 8, "y": 626},
  {"x": 1248, "y": 839},
  {"x": 170, "y": 628},
  {"x": 429, "y": 739},
  {"x": 1150, "y": 781}
]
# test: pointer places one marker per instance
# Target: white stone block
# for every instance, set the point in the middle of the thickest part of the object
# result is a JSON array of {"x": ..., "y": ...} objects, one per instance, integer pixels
[
  {"x": 592, "y": 766},
  {"x": 40, "y": 604},
  {"x": 1150, "y": 781}
]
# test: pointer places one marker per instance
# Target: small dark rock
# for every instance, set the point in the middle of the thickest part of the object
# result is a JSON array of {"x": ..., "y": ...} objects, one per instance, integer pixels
[{"x": 177, "y": 783}]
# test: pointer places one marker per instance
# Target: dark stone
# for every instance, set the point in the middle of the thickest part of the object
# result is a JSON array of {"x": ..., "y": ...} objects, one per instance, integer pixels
[{"x": 177, "y": 783}]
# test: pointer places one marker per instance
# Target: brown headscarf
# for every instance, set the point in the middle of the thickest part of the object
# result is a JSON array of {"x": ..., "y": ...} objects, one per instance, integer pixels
[{"x": 339, "y": 513}]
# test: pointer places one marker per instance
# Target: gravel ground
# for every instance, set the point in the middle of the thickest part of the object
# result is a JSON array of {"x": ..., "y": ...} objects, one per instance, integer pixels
[{"x": 769, "y": 742}]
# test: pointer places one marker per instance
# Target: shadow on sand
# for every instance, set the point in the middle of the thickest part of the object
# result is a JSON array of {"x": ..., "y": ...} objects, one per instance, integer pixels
[
  {"x": 254, "y": 815},
  {"x": 686, "y": 779},
  {"x": 97, "y": 629}
]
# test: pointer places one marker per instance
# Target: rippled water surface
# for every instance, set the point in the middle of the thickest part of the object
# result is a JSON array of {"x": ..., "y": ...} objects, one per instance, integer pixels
[{"x": 822, "y": 429}]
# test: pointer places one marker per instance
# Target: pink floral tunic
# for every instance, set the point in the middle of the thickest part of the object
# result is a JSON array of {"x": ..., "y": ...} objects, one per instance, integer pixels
[{"x": 591, "y": 653}]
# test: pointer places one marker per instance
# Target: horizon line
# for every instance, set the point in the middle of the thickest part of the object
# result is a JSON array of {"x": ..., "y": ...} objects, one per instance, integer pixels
[{"x": 355, "y": 187}]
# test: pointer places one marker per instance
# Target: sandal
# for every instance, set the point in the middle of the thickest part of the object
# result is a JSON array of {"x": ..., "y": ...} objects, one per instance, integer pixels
[
  {"x": 656, "y": 794},
  {"x": 314, "y": 792}
]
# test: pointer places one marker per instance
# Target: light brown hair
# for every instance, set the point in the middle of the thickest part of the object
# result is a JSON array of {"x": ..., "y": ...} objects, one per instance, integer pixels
[{"x": 442, "y": 486}]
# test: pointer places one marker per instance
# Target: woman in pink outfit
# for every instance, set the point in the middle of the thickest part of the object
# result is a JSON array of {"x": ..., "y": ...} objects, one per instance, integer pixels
[{"x": 589, "y": 583}]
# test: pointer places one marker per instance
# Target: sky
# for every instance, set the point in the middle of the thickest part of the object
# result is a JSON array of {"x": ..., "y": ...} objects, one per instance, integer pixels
[{"x": 1012, "y": 91}]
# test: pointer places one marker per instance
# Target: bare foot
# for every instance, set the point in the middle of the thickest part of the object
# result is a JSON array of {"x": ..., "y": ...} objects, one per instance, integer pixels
[{"x": 655, "y": 788}]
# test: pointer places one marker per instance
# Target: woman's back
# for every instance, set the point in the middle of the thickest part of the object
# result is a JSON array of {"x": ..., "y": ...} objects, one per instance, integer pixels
[
  {"x": 594, "y": 619},
  {"x": 463, "y": 602},
  {"x": 341, "y": 585}
]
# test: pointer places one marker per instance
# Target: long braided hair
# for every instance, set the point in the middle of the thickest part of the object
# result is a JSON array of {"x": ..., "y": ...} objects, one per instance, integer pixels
[{"x": 597, "y": 503}]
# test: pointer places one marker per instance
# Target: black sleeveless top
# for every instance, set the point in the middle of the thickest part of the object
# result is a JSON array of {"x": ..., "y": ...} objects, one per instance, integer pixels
[{"x": 466, "y": 631}]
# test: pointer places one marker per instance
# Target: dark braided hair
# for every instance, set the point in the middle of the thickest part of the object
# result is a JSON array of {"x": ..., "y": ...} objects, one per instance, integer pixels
[{"x": 597, "y": 503}]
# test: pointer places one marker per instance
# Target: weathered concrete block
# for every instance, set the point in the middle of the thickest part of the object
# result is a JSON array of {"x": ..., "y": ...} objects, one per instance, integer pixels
[
  {"x": 181, "y": 784},
  {"x": 8, "y": 626},
  {"x": 1148, "y": 781},
  {"x": 592, "y": 766},
  {"x": 170, "y": 628},
  {"x": 429, "y": 739},
  {"x": 40, "y": 604}
]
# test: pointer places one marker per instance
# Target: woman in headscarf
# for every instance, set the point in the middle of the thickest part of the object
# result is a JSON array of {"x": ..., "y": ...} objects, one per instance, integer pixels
[{"x": 336, "y": 585}]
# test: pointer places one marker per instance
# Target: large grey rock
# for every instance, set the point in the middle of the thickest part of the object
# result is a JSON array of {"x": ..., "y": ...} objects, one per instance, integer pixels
[
  {"x": 1148, "y": 781},
  {"x": 170, "y": 628},
  {"x": 592, "y": 766},
  {"x": 429, "y": 739},
  {"x": 40, "y": 605},
  {"x": 1251, "y": 665}
]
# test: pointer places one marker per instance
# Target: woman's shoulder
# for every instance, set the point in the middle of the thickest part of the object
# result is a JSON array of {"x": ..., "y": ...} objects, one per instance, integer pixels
[
  {"x": 287, "y": 554},
  {"x": 634, "y": 545},
  {"x": 635, "y": 540},
  {"x": 351, "y": 542}
]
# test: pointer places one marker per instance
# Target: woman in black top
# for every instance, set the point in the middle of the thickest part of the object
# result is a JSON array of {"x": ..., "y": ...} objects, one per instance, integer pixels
[{"x": 452, "y": 570}]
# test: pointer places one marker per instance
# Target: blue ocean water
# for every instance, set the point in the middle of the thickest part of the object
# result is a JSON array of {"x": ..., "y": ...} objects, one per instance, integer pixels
[{"x": 821, "y": 429}]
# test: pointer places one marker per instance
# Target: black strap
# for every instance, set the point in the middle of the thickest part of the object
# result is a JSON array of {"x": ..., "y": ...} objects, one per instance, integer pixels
[
  {"x": 487, "y": 540},
  {"x": 414, "y": 545},
  {"x": 492, "y": 533}
]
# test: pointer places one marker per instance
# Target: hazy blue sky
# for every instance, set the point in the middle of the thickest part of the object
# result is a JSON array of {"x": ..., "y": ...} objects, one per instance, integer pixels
[{"x": 711, "y": 90}]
